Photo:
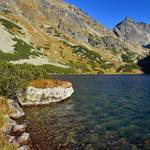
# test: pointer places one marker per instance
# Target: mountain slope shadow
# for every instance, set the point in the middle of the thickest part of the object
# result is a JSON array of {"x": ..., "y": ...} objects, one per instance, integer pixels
[{"x": 145, "y": 64}]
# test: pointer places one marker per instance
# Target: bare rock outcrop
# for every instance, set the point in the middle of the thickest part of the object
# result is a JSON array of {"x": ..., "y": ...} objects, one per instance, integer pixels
[
  {"x": 16, "y": 109},
  {"x": 47, "y": 91},
  {"x": 24, "y": 138},
  {"x": 130, "y": 30}
]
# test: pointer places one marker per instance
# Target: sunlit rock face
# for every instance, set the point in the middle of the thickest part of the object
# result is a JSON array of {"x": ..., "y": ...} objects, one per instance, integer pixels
[
  {"x": 130, "y": 30},
  {"x": 47, "y": 91}
]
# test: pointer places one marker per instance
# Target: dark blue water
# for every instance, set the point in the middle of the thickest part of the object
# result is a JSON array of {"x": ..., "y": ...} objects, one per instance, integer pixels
[{"x": 105, "y": 112}]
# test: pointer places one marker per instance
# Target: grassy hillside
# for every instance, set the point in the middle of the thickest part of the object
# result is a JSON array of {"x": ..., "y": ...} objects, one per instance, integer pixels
[{"x": 62, "y": 35}]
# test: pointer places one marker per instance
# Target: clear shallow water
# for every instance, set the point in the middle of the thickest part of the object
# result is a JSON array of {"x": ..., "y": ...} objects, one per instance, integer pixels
[{"x": 105, "y": 112}]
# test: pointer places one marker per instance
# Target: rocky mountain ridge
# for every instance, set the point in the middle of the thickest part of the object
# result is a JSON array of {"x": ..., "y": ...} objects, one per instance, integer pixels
[
  {"x": 52, "y": 32},
  {"x": 130, "y": 30}
]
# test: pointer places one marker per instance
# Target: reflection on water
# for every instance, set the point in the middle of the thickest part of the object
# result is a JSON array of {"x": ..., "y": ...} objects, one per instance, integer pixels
[{"x": 105, "y": 112}]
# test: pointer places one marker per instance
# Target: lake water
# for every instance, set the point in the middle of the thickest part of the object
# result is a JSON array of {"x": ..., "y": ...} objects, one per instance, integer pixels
[{"x": 109, "y": 112}]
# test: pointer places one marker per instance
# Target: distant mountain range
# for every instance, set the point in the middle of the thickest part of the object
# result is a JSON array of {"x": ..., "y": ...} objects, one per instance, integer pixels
[{"x": 58, "y": 34}]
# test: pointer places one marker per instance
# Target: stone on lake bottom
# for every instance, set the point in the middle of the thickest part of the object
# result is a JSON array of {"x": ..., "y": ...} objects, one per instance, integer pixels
[{"x": 24, "y": 138}]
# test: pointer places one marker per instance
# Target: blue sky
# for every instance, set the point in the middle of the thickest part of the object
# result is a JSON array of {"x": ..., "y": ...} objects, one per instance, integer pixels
[{"x": 111, "y": 12}]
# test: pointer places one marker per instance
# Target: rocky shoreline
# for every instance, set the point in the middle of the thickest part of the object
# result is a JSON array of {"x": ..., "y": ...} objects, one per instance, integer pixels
[
  {"x": 49, "y": 91},
  {"x": 16, "y": 133}
]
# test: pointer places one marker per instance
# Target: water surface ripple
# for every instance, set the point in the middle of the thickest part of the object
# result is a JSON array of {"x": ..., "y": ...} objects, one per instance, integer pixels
[{"x": 105, "y": 112}]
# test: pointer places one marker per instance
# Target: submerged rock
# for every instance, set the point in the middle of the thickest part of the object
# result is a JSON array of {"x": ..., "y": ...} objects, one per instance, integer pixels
[
  {"x": 7, "y": 129},
  {"x": 41, "y": 92},
  {"x": 19, "y": 128},
  {"x": 24, "y": 138}
]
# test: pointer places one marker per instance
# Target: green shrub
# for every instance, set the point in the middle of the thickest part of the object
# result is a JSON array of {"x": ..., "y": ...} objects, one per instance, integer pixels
[
  {"x": 91, "y": 56},
  {"x": 94, "y": 59},
  {"x": 128, "y": 68},
  {"x": 14, "y": 78},
  {"x": 10, "y": 25},
  {"x": 127, "y": 58},
  {"x": 78, "y": 66},
  {"x": 107, "y": 66},
  {"x": 22, "y": 51},
  {"x": 58, "y": 70}
]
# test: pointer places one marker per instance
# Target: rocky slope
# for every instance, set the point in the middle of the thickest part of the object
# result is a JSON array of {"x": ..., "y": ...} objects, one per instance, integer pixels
[
  {"x": 137, "y": 32},
  {"x": 62, "y": 36}
]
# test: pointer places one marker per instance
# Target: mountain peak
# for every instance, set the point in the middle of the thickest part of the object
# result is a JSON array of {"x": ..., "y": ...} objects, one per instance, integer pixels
[
  {"x": 56, "y": 33},
  {"x": 130, "y": 30},
  {"x": 129, "y": 19}
]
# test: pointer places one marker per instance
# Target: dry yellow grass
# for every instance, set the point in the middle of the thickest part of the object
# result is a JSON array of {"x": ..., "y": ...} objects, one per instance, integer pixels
[
  {"x": 4, "y": 110},
  {"x": 49, "y": 83}
]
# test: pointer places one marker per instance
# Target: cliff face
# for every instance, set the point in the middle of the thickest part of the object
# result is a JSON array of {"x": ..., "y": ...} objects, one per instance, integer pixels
[
  {"x": 58, "y": 34},
  {"x": 137, "y": 32}
]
